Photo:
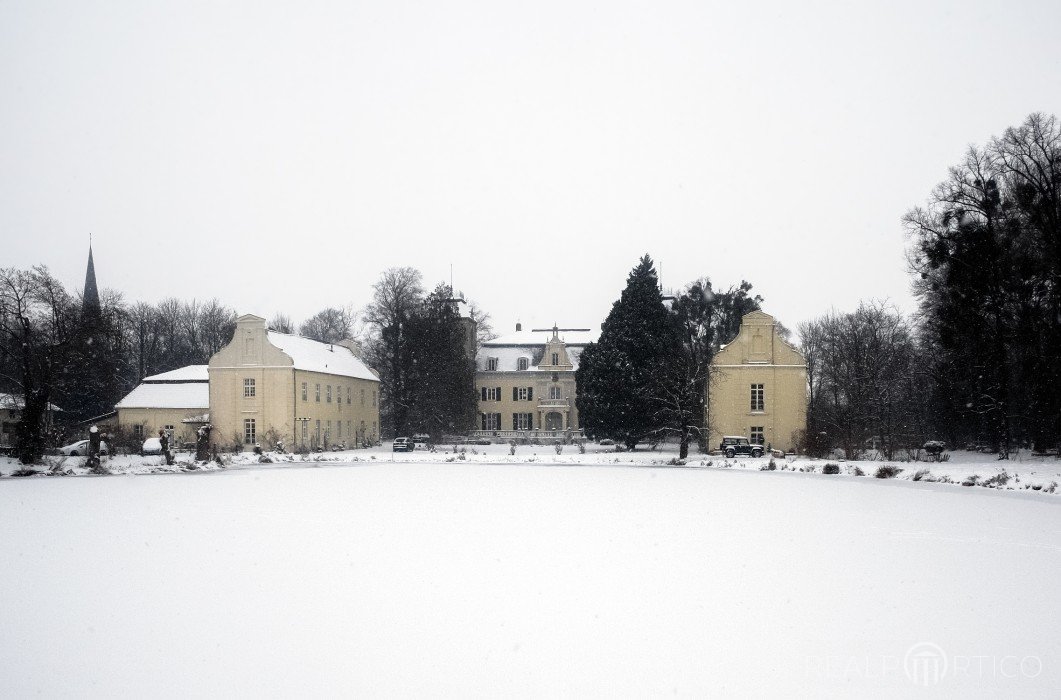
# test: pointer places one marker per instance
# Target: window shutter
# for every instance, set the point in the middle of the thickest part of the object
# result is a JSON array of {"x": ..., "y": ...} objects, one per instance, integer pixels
[
  {"x": 515, "y": 421},
  {"x": 530, "y": 393},
  {"x": 515, "y": 394},
  {"x": 484, "y": 393},
  {"x": 483, "y": 417}
]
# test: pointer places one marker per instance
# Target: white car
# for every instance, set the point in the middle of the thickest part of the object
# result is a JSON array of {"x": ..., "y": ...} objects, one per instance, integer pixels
[
  {"x": 80, "y": 448},
  {"x": 151, "y": 446}
]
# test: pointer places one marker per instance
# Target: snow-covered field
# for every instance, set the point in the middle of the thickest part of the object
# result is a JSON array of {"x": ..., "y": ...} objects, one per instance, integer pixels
[{"x": 475, "y": 577}]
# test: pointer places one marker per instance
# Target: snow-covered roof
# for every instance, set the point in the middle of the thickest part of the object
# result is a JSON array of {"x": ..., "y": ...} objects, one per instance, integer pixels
[
  {"x": 191, "y": 373},
  {"x": 540, "y": 336},
  {"x": 14, "y": 402},
  {"x": 179, "y": 395},
  {"x": 313, "y": 356},
  {"x": 508, "y": 349}
]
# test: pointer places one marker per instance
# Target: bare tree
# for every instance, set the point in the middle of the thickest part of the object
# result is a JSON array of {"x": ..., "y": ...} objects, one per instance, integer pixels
[
  {"x": 329, "y": 325},
  {"x": 281, "y": 323},
  {"x": 36, "y": 322}
]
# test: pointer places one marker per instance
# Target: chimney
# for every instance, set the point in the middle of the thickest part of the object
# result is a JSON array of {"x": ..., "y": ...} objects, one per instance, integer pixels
[{"x": 519, "y": 327}]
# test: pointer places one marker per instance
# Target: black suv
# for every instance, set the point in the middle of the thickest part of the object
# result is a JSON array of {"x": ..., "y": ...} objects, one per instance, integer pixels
[{"x": 733, "y": 445}]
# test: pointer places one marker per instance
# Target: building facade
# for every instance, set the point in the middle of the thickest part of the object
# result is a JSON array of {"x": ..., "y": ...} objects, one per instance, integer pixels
[
  {"x": 758, "y": 387},
  {"x": 526, "y": 383},
  {"x": 177, "y": 401},
  {"x": 266, "y": 386}
]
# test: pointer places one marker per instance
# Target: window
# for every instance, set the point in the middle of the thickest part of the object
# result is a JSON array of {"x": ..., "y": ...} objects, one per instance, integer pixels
[
  {"x": 328, "y": 433},
  {"x": 317, "y": 435},
  {"x": 305, "y": 391},
  {"x": 329, "y": 393},
  {"x": 348, "y": 390},
  {"x": 362, "y": 397},
  {"x": 248, "y": 388},
  {"x": 758, "y": 435},
  {"x": 249, "y": 432},
  {"x": 522, "y": 421},
  {"x": 318, "y": 393},
  {"x": 556, "y": 358},
  {"x": 338, "y": 430},
  {"x": 555, "y": 392},
  {"x": 523, "y": 364},
  {"x": 138, "y": 431},
  {"x": 490, "y": 421},
  {"x": 490, "y": 393},
  {"x": 491, "y": 364},
  {"x": 305, "y": 429},
  {"x": 522, "y": 393},
  {"x": 758, "y": 398}
]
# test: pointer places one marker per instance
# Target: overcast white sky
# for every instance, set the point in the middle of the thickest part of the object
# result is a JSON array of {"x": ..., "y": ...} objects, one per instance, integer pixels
[{"x": 279, "y": 156}]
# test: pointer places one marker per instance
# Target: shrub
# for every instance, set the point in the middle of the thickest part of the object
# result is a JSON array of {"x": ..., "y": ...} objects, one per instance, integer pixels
[
  {"x": 973, "y": 480},
  {"x": 997, "y": 481},
  {"x": 769, "y": 467},
  {"x": 675, "y": 462},
  {"x": 581, "y": 447},
  {"x": 559, "y": 447},
  {"x": 922, "y": 475},
  {"x": 887, "y": 471},
  {"x": 831, "y": 469},
  {"x": 25, "y": 471},
  {"x": 512, "y": 448},
  {"x": 772, "y": 464},
  {"x": 855, "y": 470}
]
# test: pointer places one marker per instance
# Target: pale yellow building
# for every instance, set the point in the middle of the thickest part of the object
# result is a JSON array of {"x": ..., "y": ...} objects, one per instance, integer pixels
[
  {"x": 758, "y": 387},
  {"x": 266, "y": 385},
  {"x": 526, "y": 383},
  {"x": 176, "y": 401}
]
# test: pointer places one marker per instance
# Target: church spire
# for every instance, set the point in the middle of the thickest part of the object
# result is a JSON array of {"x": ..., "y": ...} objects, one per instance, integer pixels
[{"x": 90, "y": 299}]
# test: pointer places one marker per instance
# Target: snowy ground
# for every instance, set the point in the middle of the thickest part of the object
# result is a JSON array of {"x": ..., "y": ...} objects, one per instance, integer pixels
[{"x": 424, "y": 577}]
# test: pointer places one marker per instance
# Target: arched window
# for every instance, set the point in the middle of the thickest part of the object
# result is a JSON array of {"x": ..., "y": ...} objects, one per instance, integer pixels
[{"x": 523, "y": 364}]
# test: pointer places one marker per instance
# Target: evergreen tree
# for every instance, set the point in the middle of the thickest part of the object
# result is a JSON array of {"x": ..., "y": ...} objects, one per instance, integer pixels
[
  {"x": 619, "y": 375},
  {"x": 441, "y": 375}
]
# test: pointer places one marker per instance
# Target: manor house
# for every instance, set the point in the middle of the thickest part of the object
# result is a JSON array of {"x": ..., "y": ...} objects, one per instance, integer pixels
[{"x": 526, "y": 382}]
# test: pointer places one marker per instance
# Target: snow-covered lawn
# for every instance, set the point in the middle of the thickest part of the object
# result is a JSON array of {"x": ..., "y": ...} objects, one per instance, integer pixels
[{"x": 423, "y": 577}]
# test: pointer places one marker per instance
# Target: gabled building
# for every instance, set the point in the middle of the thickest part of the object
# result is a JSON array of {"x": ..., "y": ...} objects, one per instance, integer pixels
[
  {"x": 266, "y": 385},
  {"x": 526, "y": 382},
  {"x": 758, "y": 387},
  {"x": 177, "y": 401}
]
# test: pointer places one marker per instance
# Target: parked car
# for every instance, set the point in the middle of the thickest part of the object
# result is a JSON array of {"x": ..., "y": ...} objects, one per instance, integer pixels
[
  {"x": 733, "y": 445},
  {"x": 402, "y": 444},
  {"x": 606, "y": 441},
  {"x": 80, "y": 449},
  {"x": 421, "y": 441},
  {"x": 151, "y": 446}
]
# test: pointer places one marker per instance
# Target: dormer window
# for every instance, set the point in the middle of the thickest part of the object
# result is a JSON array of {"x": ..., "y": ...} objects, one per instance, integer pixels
[
  {"x": 491, "y": 364},
  {"x": 523, "y": 363},
  {"x": 556, "y": 358}
]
